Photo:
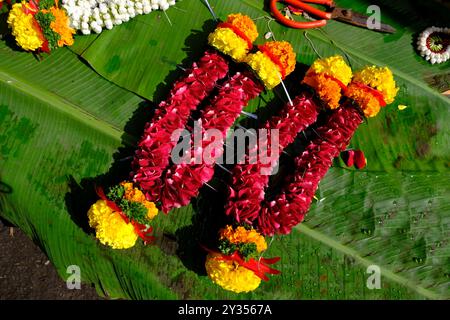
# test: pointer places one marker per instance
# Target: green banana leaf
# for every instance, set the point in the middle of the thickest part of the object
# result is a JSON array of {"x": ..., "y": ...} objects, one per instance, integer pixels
[{"x": 70, "y": 121}]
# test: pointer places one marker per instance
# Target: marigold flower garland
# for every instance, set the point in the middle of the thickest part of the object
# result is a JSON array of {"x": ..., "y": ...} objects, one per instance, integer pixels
[
  {"x": 328, "y": 77},
  {"x": 40, "y": 26},
  {"x": 370, "y": 89},
  {"x": 183, "y": 181},
  {"x": 238, "y": 266},
  {"x": 152, "y": 155}
]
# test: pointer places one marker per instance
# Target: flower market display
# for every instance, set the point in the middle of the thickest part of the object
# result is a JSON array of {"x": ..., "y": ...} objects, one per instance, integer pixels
[{"x": 223, "y": 150}]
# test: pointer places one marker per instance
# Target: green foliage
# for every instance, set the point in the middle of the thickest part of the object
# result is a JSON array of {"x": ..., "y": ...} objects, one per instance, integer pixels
[
  {"x": 134, "y": 210},
  {"x": 46, "y": 4},
  {"x": 116, "y": 193},
  {"x": 247, "y": 250},
  {"x": 44, "y": 20}
]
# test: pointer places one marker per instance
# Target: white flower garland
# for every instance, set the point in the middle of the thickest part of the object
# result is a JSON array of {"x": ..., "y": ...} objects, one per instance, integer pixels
[
  {"x": 95, "y": 15},
  {"x": 434, "y": 44}
]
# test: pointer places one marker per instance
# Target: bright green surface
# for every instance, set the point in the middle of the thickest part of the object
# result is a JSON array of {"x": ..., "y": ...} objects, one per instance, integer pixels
[{"x": 60, "y": 121}]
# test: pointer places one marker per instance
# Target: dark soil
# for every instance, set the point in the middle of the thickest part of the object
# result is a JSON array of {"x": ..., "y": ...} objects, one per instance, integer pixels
[{"x": 26, "y": 273}]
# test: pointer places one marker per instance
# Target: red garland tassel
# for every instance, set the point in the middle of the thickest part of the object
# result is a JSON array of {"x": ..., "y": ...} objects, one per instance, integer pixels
[
  {"x": 152, "y": 155},
  {"x": 183, "y": 181},
  {"x": 142, "y": 231},
  {"x": 289, "y": 208},
  {"x": 238, "y": 32},
  {"x": 247, "y": 190},
  {"x": 259, "y": 267}
]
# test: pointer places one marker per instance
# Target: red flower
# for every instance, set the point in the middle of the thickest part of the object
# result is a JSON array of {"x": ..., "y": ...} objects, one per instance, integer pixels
[
  {"x": 182, "y": 182},
  {"x": 290, "y": 207},
  {"x": 152, "y": 155},
  {"x": 248, "y": 182}
]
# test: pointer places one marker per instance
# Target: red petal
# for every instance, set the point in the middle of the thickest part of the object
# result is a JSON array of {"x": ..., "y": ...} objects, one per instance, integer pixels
[
  {"x": 348, "y": 157},
  {"x": 360, "y": 159}
]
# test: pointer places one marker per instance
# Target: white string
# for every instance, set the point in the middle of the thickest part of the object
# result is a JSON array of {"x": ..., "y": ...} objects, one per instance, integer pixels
[
  {"x": 211, "y": 10},
  {"x": 285, "y": 90}
]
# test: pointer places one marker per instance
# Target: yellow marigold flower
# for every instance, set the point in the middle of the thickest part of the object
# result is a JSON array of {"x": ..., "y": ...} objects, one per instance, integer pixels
[
  {"x": 229, "y": 275},
  {"x": 275, "y": 60},
  {"x": 24, "y": 28},
  {"x": 328, "y": 90},
  {"x": 334, "y": 66},
  {"x": 61, "y": 25},
  {"x": 110, "y": 228},
  {"x": 136, "y": 195},
  {"x": 226, "y": 41},
  {"x": 380, "y": 78},
  {"x": 234, "y": 36},
  {"x": 240, "y": 234}
]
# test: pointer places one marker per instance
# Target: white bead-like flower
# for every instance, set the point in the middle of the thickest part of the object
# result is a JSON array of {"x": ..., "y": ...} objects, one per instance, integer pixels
[
  {"x": 434, "y": 44},
  {"x": 96, "y": 15}
]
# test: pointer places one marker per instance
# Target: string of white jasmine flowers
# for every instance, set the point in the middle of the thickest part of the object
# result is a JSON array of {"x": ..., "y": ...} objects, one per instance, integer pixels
[
  {"x": 97, "y": 15},
  {"x": 434, "y": 44}
]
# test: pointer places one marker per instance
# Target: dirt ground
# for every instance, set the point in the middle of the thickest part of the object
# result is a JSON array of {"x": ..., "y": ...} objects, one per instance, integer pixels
[{"x": 26, "y": 273}]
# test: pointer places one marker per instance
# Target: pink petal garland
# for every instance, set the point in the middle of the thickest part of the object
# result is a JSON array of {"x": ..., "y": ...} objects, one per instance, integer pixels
[
  {"x": 183, "y": 181},
  {"x": 247, "y": 190},
  {"x": 289, "y": 208},
  {"x": 152, "y": 155}
]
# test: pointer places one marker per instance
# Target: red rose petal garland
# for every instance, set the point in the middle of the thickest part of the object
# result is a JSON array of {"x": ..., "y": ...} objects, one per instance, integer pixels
[
  {"x": 152, "y": 156},
  {"x": 248, "y": 182},
  {"x": 183, "y": 181},
  {"x": 290, "y": 207}
]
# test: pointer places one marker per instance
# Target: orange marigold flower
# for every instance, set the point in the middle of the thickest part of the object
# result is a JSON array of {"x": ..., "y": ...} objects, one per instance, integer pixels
[
  {"x": 285, "y": 54},
  {"x": 329, "y": 91},
  {"x": 368, "y": 102},
  {"x": 245, "y": 24},
  {"x": 242, "y": 235},
  {"x": 61, "y": 26}
]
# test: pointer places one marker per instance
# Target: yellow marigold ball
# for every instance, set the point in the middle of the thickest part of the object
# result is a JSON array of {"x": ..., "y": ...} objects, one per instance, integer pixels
[
  {"x": 61, "y": 25},
  {"x": 24, "y": 29},
  {"x": 229, "y": 275},
  {"x": 110, "y": 228},
  {"x": 380, "y": 78},
  {"x": 240, "y": 234},
  {"x": 268, "y": 69},
  {"x": 334, "y": 66},
  {"x": 228, "y": 42},
  {"x": 136, "y": 195}
]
